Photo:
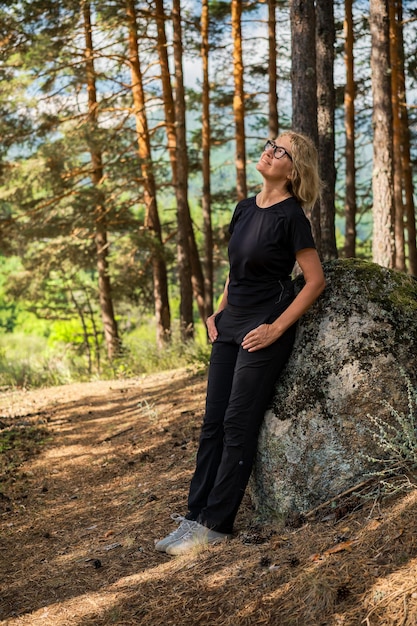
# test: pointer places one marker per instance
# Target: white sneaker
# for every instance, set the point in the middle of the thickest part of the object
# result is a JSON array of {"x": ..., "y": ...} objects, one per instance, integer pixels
[
  {"x": 196, "y": 537},
  {"x": 185, "y": 525}
]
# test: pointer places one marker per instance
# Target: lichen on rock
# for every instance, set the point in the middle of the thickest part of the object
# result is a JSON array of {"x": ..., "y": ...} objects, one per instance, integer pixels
[{"x": 354, "y": 349}]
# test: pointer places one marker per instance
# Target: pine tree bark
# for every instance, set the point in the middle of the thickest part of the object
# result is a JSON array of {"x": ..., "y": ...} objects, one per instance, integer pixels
[
  {"x": 397, "y": 164},
  {"x": 273, "y": 119},
  {"x": 152, "y": 221},
  {"x": 111, "y": 334},
  {"x": 239, "y": 100},
  {"x": 349, "y": 101},
  {"x": 326, "y": 125},
  {"x": 181, "y": 160},
  {"x": 304, "y": 83},
  {"x": 191, "y": 278},
  {"x": 206, "y": 143},
  {"x": 383, "y": 244},
  {"x": 406, "y": 154},
  {"x": 168, "y": 98}
]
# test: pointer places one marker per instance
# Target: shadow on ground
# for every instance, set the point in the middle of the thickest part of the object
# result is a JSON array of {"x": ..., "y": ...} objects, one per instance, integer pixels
[{"x": 82, "y": 515}]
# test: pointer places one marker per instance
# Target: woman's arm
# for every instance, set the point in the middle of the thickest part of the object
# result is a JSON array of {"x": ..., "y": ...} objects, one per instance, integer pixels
[
  {"x": 210, "y": 323},
  {"x": 265, "y": 334}
]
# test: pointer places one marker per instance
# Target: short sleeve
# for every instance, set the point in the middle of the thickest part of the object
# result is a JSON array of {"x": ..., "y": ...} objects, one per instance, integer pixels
[{"x": 299, "y": 231}]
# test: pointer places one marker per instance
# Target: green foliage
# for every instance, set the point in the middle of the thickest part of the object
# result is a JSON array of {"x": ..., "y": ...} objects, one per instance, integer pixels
[
  {"x": 49, "y": 203},
  {"x": 68, "y": 332},
  {"x": 9, "y": 308},
  {"x": 143, "y": 356},
  {"x": 27, "y": 323},
  {"x": 29, "y": 361},
  {"x": 26, "y": 361}
]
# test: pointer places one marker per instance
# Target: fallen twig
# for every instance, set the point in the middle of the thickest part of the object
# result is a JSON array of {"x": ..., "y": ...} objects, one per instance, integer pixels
[
  {"x": 338, "y": 497},
  {"x": 120, "y": 432}
]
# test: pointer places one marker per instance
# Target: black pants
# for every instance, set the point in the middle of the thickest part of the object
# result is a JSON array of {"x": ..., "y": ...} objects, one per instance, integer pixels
[{"x": 240, "y": 386}]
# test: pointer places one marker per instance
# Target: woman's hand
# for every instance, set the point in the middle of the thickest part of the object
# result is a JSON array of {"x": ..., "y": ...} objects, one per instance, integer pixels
[
  {"x": 259, "y": 338},
  {"x": 265, "y": 334},
  {"x": 211, "y": 327},
  {"x": 211, "y": 321}
]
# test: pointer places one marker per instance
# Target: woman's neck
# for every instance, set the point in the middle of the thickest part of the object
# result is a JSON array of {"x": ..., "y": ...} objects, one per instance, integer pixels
[{"x": 269, "y": 196}]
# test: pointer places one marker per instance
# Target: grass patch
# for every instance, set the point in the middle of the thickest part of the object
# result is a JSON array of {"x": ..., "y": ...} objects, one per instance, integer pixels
[
  {"x": 27, "y": 361},
  {"x": 30, "y": 361},
  {"x": 144, "y": 357}
]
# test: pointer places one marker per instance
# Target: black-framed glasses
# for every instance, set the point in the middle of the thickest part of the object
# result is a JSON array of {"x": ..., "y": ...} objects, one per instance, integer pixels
[{"x": 278, "y": 151}]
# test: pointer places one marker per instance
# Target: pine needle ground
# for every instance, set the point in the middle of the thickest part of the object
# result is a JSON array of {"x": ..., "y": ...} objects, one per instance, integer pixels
[{"x": 81, "y": 509}]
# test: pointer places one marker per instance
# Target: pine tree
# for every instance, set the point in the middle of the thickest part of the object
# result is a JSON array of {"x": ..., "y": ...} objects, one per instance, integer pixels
[
  {"x": 394, "y": 28},
  {"x": 239, "y": 100},
  {"x": 406, "y": 164},
  {"x": 152, "y": 221},
  {"x": 326, "y": 125},
  {"x": 273, "y": 123},
  {"x": 383, "y": 245},
  {"x": 349, "y": 120},
  {"x": 111, "y": 332},
  {"x": 205, "y": 169},
  {"x": 304, "y": 83}
]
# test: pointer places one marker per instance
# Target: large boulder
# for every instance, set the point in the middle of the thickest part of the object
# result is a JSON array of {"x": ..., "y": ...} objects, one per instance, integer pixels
[{"x": 354, "y": 351}]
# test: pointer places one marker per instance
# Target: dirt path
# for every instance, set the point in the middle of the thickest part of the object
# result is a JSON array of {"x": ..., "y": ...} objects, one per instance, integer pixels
[{"x": 78, "y": 522}]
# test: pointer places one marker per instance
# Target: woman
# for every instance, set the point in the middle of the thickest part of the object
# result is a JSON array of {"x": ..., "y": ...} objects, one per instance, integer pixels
[{"x": 252, "y": 334}]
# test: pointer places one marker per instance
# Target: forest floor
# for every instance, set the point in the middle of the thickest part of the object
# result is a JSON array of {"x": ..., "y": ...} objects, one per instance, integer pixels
[{"x": 91, "y": 476}]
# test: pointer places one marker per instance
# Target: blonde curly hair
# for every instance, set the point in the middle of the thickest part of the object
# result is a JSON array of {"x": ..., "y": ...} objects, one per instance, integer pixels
[{"x": 305, "y": 181}]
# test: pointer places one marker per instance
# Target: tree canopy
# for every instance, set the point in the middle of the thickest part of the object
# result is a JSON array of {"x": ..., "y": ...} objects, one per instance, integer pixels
[{"x": 131, "y": 129}]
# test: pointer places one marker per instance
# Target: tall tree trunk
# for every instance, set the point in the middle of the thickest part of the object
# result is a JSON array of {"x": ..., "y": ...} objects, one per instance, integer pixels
[
  {"x": 304, "y": 83},
  {"x": 190, "y": 273},
  {"x": 350, "y": 199},
  {"x": 152, "y": 222},
  {"x": 405, "y": 155},
  {"x": 168, "y": 98},
  {"x": 239, "y": 100},
  {"x": 325, "y": 121},
  {"x": 273, "y": 120},
  {"x": 206, "y": 142},
  {"x": 111, "y": 334},
  {"x": 183, "y": 253},
  {"x": 397, "y": 165},
  {"x": 383, "y": 245},
  {"x": 181, "y": 160},
  {"x": 197, "y": 278}
]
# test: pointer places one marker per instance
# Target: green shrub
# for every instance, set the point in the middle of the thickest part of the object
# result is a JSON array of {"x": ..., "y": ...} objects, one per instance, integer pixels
[
  {"x": 397, "y": 441},
  {"x": 142, "y": 355}
]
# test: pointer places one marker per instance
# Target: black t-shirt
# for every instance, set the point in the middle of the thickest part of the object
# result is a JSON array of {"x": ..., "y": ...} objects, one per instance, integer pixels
[{"x": 262, "y": 249}]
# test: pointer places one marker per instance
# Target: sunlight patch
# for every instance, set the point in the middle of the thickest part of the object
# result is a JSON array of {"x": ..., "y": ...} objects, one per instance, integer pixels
[{"x": 85, "y": 606}]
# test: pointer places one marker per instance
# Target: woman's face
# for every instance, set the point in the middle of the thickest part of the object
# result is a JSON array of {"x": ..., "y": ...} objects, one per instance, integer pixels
[{"x": 275, "y": 161}]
